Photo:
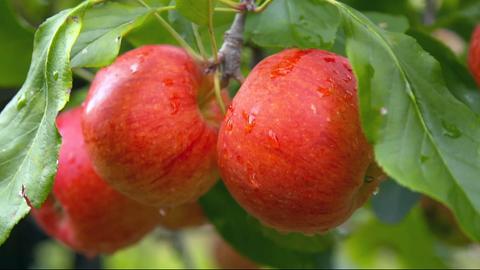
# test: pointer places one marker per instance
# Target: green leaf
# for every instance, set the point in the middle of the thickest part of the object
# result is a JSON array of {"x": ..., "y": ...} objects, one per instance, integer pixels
[
  {"x": 459, "y": 79},
  {"x": 259, "y": 243},
  {"x": 393, "y": 202},
  {"x": 423, "y": 136},
  {"x": 303, "y": 24},
  {"x": 15, "y": 48},
  {"x": 374, "y": 241},
  {"x": 393, "y": 23},
  {"x": 194, "y": 10},
  {"x": 28, "y": 137},
  {"x": 104, "y": 26}
]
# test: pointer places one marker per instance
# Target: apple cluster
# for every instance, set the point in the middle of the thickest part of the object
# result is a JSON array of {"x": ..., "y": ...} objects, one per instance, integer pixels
[{"x": 150, "y": 140}]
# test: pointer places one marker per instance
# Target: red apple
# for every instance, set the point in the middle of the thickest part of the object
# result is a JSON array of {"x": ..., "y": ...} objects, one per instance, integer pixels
[
  {"x": 149, "y": 127},
  {"x": 474, "y": 55},
  {"x": 291, "y": 149},
  {"x": 84, "y": 212},
  {"x": 228, "y": 258},
  {"x": 182, "y": 217}
]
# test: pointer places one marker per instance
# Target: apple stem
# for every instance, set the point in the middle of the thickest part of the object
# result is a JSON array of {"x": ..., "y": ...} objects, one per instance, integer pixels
[
  {"x": 230, "y": 53},
  {"x": 218, "y": 91}
]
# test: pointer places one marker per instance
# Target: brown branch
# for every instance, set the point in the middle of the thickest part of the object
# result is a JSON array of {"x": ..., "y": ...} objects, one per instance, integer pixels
[{"x": 230, "y": 52}]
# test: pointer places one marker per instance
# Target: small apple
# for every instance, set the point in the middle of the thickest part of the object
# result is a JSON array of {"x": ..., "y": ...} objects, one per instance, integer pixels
[
  {"x": 228, "y": 258},
  {"x": 442, "y": 223},
  {"x": 149, "y": 127},
  {"x": 474, "y": 54},
  {"x": 291, "y": 149},
  {"x": 83, "y": 211},
  {"x": 182, "y": 217}
]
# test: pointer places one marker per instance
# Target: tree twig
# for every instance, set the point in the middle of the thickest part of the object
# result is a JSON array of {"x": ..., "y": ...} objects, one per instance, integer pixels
[{"x": 230, "y": 53}]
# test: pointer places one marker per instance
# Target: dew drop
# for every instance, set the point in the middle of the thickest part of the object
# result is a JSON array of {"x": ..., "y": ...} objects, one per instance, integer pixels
[
  {"x": 313, "y": 108},
  {"x": 229, "y": 124},
  {"x": 375, "y": 192},
  {"x": 347, "y": 67},
  {"x": 368, "y": 179},
  {"x": 348, "y": 78},
  {"x": 167, "y": 82},
  {"x": 383, "y": 111},
  {"x": 273, "y": 139},
  {"x": 450, "y": 130},
  {"x": 329, "y": 59},
  {"x": 324, "y": 92},
  {"x": 22, "y": 101},
  {"x": 253, "y": 180},
  {"x": 118, "y": 38},
  {"x": 383, "y": 25},
  {"x": 250, "y": 123},
  {"x": 84, "y": 51},
  {"x": 134, "y": 67},
  {"x": 173, "y": 105},
  {"x": 55, "y": 75}
]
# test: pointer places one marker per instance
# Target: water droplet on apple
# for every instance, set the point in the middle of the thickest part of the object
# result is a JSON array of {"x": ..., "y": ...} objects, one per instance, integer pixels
[
  {"x": 313, "y": 108},
  {"x": 173, "y": 106},
  {"x": 253, "y": 180},
  {"x": 167, "y": 82},
  {"x": 118, "y": 39},
  {"x": 348, "y": 78},
  {"x": 273, "y": 139},
  {"x": 324, "y": 92},
  {"x": 287, "y": 64},
  {"x": 329, "y": 59},
  {"x": 347, "y": 67},
  {"x": 22, "y": 101},
  {"x": 383, "y": 111},
  {"x": 55, "y": 75},
  {"x": 134, "y": 67},
  {"x": 84, "y": 51},
  {"x": 250, "y": 118},
  {"x": 229, "y": 124},
  {"x": 375, "y": 192}
]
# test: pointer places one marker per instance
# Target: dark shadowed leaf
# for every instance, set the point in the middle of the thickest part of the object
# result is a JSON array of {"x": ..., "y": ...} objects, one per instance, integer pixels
[{"x": 262, "y": 244}]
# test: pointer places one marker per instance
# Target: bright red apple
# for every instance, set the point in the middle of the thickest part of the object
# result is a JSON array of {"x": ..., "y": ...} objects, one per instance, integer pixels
[
  {"x": 83, "y": 211},
  {"x": 149, "y": 127},
  {"x": 182, "y": 217},
  {"x": 291, "y": 149},
  {"x": 474, "y": 55}
]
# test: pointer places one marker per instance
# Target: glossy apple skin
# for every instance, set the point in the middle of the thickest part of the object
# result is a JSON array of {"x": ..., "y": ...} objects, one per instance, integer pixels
[
  {"x": 291, "y": 150},
  {"x": 182, "y": 217},
  {"x": 145, "y": 131},
  {"x": 474, "y": 54},
  {"x": 83, "y": 211}
]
